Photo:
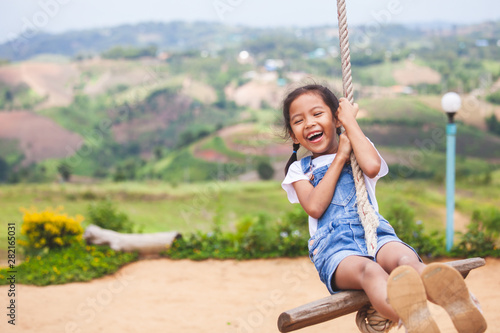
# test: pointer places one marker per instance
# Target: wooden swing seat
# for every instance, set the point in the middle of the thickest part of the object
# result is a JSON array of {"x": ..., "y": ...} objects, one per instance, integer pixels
[{"x": 345, "y": 302}]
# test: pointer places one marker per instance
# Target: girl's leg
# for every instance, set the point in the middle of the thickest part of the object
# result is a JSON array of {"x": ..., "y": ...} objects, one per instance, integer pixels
[
  {"x": 394, "y": 254},
  {"x": 356, "y": 272}
]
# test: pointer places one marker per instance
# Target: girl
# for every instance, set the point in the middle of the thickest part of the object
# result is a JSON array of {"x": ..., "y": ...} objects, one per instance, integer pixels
[{"x": 395, "y": 279}]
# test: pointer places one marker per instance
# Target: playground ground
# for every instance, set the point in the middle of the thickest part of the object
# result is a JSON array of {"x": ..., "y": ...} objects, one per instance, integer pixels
[{"x": 161, "y": 295}]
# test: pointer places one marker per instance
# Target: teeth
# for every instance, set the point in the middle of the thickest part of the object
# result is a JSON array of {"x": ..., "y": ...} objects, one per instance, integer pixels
[{"x": 313, "y": 134}]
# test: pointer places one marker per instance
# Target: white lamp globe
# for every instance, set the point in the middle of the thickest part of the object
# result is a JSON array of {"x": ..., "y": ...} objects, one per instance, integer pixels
[{"x": 451, "y": 102}]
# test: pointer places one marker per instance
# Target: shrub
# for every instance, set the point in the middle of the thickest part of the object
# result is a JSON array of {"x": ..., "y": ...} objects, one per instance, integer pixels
[
  {"x": 255, "y": 237},
  {"x": 480, "y": 238},
  {"x": 491, "y": 219},
  {"x": 49, "y": 229},
  {"x": 294, "y": 233},
  {"x": 402, "y": 218},
  {"x": 105, "y": 215}
]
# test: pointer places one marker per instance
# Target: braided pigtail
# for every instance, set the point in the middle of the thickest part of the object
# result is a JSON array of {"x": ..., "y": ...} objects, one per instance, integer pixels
[{"x": 292, "y": 158}]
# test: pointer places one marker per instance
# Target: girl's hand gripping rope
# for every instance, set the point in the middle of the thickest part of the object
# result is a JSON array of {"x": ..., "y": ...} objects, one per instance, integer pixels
[{"x": 347, "y": 112}]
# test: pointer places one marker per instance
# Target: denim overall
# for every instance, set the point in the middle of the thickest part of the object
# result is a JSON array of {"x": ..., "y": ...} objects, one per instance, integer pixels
[{"x": 340, "y": 233}]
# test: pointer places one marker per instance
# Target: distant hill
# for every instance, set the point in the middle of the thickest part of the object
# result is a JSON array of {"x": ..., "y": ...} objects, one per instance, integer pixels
[
  {"x": 212, "y": 36},
  {"x": 171, "y": 36}
]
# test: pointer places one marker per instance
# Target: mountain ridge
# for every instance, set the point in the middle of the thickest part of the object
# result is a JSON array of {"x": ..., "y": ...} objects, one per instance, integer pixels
[{"x": 185, "y": 35}]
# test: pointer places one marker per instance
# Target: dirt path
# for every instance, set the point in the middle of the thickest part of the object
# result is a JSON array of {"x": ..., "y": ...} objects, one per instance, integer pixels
[{"x": 162, "y": 295}]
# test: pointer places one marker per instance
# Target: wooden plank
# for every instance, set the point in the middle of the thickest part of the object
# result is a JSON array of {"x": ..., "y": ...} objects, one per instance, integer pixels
[{"x": 345, "y": 302}]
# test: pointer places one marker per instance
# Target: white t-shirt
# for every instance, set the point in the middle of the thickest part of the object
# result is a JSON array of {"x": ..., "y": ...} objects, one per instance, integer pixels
[{"x": 295, "y": 174}]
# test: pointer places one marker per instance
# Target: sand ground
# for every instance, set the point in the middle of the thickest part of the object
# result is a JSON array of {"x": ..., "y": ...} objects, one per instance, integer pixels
[{"x": 162, "y": 295}]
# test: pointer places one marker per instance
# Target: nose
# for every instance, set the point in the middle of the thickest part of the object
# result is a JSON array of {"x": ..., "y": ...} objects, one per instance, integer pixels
[{"x": 310, "y": 122}]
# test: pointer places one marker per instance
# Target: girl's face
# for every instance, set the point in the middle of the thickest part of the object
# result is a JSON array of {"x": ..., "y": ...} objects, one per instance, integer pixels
[{"x": 313, "y": 125}]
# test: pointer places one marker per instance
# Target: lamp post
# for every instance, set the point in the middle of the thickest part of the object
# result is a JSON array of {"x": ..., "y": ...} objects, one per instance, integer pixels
[{"x": 451, "y": 103}]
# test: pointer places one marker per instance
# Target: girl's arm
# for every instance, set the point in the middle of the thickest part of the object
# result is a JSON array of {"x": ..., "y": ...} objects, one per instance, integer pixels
[
  {"x": 315, "y": 200},
  {"x": 366, "y": 155}
]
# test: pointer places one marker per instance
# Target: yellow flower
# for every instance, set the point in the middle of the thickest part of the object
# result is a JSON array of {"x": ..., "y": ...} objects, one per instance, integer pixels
[{"x": 50, "y": 227}]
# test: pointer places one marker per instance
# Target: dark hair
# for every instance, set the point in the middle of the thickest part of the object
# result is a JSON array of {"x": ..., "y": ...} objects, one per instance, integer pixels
[{"x": 326, "y": 95}]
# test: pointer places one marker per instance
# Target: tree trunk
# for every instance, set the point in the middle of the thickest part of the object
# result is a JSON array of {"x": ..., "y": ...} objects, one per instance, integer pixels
[{"x": 143, "y": 243}]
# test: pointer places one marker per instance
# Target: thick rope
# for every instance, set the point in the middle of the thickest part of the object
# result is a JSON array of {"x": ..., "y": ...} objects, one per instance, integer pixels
[
  {"x": 370, "y": 321},
  {"x": 367, "y": 319},
  {"x": 369, "y": 218}
]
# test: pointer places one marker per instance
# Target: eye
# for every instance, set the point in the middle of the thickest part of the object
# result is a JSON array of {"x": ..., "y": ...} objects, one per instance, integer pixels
[
  {"x": 298, "y": 121},
  {"x": 318, "y": 113}
]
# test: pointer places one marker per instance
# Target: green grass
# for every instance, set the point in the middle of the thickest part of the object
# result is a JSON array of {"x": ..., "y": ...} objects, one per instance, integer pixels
[
  {"x": 265, "y": 117},
  {"x": 376, "y": 75},
  {"x": 422, "y": 196},
  {"x": 75, "y": 263},
  {"x": 141, "y": 92},
  {"x": 402, "y": 108},
  {"x": 217, "y": 144},
  {"x": 491, "y": 66}
]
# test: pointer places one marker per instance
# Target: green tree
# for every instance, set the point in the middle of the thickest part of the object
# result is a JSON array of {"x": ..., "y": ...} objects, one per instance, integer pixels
[
  {"x": 493, "y": 124},
  {"x": 64, "y": 170},
  {"x": 119, "y": 175},
  {"x": 494, "y": 97},
  {"x": 158, "y": 152},
  {"x": 265, "y": 170},
  {"x": 4, "y": 170}
]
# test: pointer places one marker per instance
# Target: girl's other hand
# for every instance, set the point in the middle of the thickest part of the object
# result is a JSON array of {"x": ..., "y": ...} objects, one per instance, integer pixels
[
  {"x": 346, "y": 111},
  {"x": 345, "y": 148}
]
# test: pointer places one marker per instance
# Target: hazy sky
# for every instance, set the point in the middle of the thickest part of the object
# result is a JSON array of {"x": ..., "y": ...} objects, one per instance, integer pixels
[{"x": 62, "y": 15}]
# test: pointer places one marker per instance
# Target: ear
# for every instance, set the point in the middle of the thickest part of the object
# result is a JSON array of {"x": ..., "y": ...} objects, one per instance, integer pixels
[
  {"x": 336, "y": 122},
  {"x": 294, "y": 138}
]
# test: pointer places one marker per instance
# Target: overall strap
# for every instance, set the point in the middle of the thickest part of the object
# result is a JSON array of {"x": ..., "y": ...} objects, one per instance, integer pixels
[{"x": 306, "y": 164}]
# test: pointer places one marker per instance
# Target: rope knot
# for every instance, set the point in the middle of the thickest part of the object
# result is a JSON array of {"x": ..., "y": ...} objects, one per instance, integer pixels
[{"x": 370, "y": 321}]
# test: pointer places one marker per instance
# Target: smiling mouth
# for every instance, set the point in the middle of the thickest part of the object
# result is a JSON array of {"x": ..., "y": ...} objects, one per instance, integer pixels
[{"x": 315, "y": 137}]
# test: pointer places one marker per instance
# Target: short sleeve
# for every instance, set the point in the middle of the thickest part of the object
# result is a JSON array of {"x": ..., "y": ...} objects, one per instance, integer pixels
[
  {"x": 384, "y": 169},
  {"x": 293, "y": 175}
]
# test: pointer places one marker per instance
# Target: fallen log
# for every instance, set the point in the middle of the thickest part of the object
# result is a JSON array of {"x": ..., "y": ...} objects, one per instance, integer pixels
[{"x": 152, "y": 243}]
